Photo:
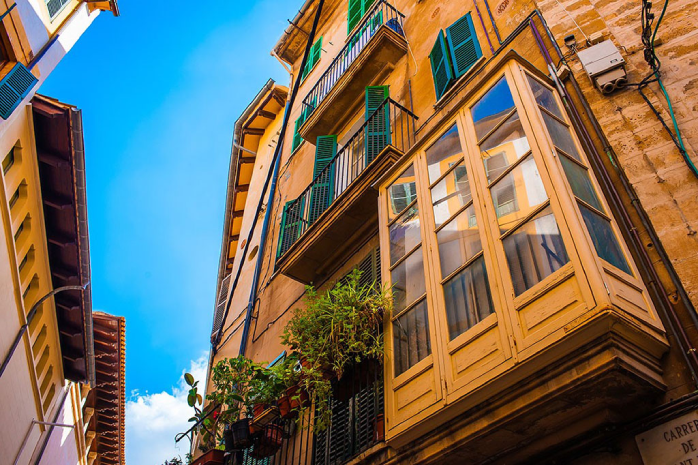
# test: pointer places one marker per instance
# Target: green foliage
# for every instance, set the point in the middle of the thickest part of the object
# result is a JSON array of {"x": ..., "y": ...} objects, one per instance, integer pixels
[
  {"x": 334, "y": 330},
  {"x": 236, "y": 384}
]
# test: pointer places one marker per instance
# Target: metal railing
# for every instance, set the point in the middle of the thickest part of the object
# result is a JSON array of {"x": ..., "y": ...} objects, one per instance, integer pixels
[
  {"x": 382, "y": 13},
  {"x": 390, "y": 124},
  {"x": 358, "y": 423}
]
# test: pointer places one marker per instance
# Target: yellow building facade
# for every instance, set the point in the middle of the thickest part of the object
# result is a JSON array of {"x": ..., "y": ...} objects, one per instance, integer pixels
[
  {"x": 47, "y": 335},
  {"x": 512, "y": 172}
]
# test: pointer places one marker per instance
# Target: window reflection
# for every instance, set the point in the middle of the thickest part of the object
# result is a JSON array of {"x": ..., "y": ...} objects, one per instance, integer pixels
[
  {"x": 401, "y": 193},
  {"x": 580, "y": 182},
  {"x": 544, "y": 97},
  {"x": 604, "y": 239},
  {"x": 504, "y": 146},
  {"x": 411, "y": 337},
  {"x": 444, "y": 154},
  {"x": 408, "y": 281},
  {"x": 404, "y": 234},
  {"x": 468, "y": 298},
  {"x": 535, "y": 251},
  {"x": 518, "y": 193},
  {"x": 561, "y": 136},
  {"x": 458, "y": 241},
  {"x": 492, "y": 107},
  {"x": 450, "y": 194}
]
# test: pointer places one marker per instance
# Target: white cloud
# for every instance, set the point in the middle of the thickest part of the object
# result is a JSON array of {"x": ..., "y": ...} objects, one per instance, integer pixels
[{"x": 153, "y": 420}]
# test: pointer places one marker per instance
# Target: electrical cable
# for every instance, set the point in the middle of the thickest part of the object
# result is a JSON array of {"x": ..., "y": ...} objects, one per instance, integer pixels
[
  {"x": 649, "y": 35},
  {"x": 271, "y": 172}
]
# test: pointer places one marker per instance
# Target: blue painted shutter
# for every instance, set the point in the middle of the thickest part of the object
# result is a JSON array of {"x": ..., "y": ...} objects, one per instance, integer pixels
[
  {"x": 355, "y": 13},
  {"x": 377, "y": 122},
  {"x": 464, "y": 46},
  {"x": 322, "y": 191},
  {"x": 14, "y": 87},
  {"x": 440, "y": 66},
  {"x": 291, "y": 225}
]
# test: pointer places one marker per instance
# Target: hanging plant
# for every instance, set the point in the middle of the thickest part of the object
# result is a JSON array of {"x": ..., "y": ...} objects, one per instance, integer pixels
[{"x": 334, "y": 330}]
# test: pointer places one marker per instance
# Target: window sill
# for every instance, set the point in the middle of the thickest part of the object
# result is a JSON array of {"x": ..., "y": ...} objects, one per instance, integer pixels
[{"x": 458, "y": 84}]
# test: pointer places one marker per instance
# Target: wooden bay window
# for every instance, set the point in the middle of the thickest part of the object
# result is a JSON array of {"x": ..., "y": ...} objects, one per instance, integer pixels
[{"x": 497, "y": 244}]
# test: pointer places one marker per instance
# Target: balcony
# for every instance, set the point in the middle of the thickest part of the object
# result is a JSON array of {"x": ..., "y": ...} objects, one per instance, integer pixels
[
  {"x": 357, "y": 425},
  {"x": 374, "y": 48},
  {"x": 341, "y": 203}
]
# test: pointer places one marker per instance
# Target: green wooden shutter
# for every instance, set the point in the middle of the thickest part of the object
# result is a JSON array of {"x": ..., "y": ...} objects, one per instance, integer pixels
[
  {"x": 322, "y": 191},
  {"x": 291, "y": 225},
  {"x": 297, "y": 139},
  {"x": 313, "y": 58},
  {"x": 378, "y": 123},
  {"x": 440, "y": 66},
  {"x": 366, "y": 5},
  {"x": 14, "y": 87},
  {"x": 355, "y": 13},
  {"x": 463, "y": 44}
]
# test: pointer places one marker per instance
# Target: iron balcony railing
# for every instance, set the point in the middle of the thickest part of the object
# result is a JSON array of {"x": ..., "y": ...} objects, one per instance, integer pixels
[
  {"x": 390, "y": 124},
  {"x": 382, "y": 13},
  {"x": 358, "y": 423}
]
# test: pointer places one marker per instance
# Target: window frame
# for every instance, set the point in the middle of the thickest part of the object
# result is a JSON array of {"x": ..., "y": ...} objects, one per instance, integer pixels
[
  {"x": 521, "y": 326},
  {"x": 584, "y": 163}
]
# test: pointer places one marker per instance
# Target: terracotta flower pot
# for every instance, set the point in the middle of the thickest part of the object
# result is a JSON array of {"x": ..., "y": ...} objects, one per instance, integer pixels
[
  {"x": 285, "y": 408},
  {"x": 258, "y": 409},
  {"x": 297, "y": 397},
  {"x": 379, "y": 428}
]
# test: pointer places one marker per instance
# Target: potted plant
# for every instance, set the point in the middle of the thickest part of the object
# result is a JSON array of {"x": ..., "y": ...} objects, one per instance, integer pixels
[
  {"x": 288, "y": 372},
  {"x": 266, "y": 388},
  {"x": 204, "y": 417},
  {"x": 334, "y": 330},
  {"x": 235, "y": 381}
]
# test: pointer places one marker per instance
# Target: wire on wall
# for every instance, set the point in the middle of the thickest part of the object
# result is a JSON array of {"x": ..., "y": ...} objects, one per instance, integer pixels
[{"x": 649, "y": 35}]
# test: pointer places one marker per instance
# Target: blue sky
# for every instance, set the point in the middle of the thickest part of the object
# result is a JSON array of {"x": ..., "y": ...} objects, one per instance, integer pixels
[{"x": 160, "y": 89}]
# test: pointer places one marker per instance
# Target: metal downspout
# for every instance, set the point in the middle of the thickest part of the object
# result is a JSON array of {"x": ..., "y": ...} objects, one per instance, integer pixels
[
  {"x": 688, "y": 351},
  {"x": 270, "y": 201}
]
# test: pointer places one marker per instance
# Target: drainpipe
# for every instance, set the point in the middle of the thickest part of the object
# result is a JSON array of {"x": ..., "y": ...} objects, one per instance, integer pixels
[
  {"x": 487, "y": 34},
  {"x": 676, "y": 327},
  {"x": 494, "y": 25},
  {"x": 270, "y": 201}
]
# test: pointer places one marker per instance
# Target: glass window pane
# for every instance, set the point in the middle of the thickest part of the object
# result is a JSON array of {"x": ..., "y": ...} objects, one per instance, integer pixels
[
  {"x": 580, "y": 183},
  {"x": 506, "y": 145},
  {"x": 411, "y": 337},
  {"x": 450, "y": 194},
  {"x": 518, "y": 193},
  {"x": 605, "y": 241},
  {"x": 401, "y": 192},
  {"x": 544, "y": 97},
  {"x": 404, "y": 234},
  {"x": 561, "y": 135},
  {"x": 408, "y": 281},
  {"x": 492, "y": 107},
  {"x": 535, "y": 251},
  {"x": 468, "y": 298},
  {"x": 443, "y": 154},
  {"x": 458, "y": 241}
]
